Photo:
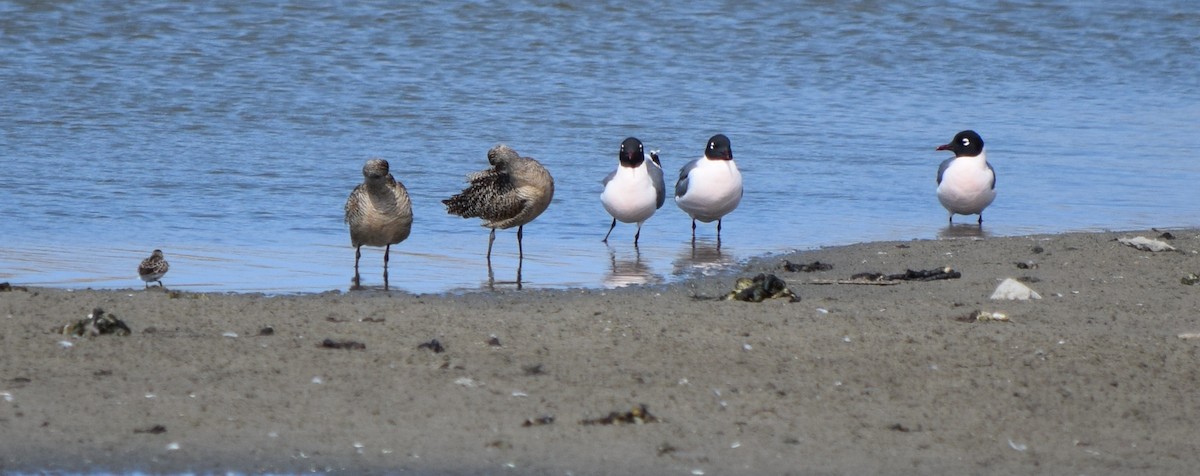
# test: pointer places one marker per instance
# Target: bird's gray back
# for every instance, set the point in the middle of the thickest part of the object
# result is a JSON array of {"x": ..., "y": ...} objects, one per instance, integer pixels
[
  {"x": 942, "y": 169},
  {"x": 660, "y": 189},
  {"x": 681, "y": 186}
]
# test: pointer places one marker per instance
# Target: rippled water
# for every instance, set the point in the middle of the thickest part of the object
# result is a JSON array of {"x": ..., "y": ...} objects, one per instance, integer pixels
[{"x": 230, "y": 134}]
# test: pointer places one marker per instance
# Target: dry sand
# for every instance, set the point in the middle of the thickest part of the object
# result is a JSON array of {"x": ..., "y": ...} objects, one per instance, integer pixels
[{"x": 1094, "y": 378}]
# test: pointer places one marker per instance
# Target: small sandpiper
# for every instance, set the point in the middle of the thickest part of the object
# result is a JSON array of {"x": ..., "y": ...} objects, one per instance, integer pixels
[
  {"x": 152, "y": 269},
  {"x": 967, "y": 182},
  {"x": 513, "y": 192},
  {"x": 635, "y": 190},
  {"x": 711, "y": 186},
  {"x": 379, "y": 214}
]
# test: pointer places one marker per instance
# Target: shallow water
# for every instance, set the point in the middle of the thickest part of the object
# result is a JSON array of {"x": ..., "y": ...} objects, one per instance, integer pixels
[{"x": 230, "y": 135}]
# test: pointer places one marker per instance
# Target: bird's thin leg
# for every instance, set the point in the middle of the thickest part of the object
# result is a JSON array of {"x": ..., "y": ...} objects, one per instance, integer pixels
[
  {"x": 520, "y": 250},
  {"x": 610, "y": 229},
  {"x": 951, "y": 218},
  {"x": 386, "y": 251},
  {"x": 718, "y": 233},
  {"x": 637, "y": 235},
  {"x": 980, "y": 219},
  {"x": 357, "y": 255},
  {"x": 491, "y": 239}
]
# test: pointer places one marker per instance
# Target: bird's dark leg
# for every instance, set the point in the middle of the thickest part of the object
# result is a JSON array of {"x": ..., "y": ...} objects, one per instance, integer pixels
[
  {"x": 520, "y": 254},
  {"x": 610, "y": 229},
  {"x": 637, "y": 235},
  {"x": 951, "y": 218},
  {"x": 980, "y": 219},
  {"x": 357, "y": 255},
  {"x": 520, "y": 250},
  {"x": 491, "y": 239},
  {"x": 387, "y": 249},
  {"x": 718, "y": 233}
]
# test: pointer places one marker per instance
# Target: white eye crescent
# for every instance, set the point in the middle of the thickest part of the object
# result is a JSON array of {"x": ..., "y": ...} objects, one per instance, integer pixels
[{"x": 966, "y": 142}]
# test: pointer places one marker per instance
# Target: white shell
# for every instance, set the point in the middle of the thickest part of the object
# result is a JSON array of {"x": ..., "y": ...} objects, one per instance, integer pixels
[{"x": 1012, "y": 289}]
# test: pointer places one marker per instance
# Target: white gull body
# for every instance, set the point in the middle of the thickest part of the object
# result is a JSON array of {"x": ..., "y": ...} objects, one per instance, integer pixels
[
  {"x": 635, "y": 190},
  {"x": 967, "y": 182},
  {"x": 711, "y": 186}
]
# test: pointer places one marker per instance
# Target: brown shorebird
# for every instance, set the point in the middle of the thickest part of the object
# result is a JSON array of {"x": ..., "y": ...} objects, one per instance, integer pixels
[
  {"x": 153, "y": 268},
  {"x": 513, "y": 192},
  {"x": 379, "y": 214}
]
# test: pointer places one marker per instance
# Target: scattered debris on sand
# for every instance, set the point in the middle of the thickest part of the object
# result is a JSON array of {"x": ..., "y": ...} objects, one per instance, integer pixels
[
  {"x": 1191, "y": 279},
  {"x": 97, "y": 323},
  {"x": 433, "y": 345},
  {"x": 1146, "y": 244},
  {"x": 806, "y": 267},
  {"x": 539, "y": 421},
  {"x": 1012, "y": 289},
  {"x": 637, "y": 415},
  {"x": 880, "y": 279},
  {"x": 983, "y": 316},
  {"x": 343, "y": 344},
  {"x": 154, "y": 430},
  {"x": 761, "y": 288}
]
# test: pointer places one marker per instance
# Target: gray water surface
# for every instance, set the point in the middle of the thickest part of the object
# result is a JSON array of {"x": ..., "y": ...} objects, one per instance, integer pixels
[{"x": 230, "y": 134}]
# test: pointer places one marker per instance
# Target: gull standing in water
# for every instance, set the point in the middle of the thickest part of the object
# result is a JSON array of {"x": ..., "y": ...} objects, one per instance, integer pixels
[
  {"x": 513, "y": 192},
  {"x": 711, "y": 186},
  {"x": 379, "y": 213},
  {"x": 152, "y": 269},
  {"x": 634, "y": 191},
  {"x": 967, "y": 182}
]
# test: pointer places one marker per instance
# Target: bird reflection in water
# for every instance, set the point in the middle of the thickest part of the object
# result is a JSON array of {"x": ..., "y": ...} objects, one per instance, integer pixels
[
  {"x": 962, "y": 230},
  {"x": 703, "y": 256},
  {"x": 627, "y": 272},
  {"x": 492, "y": 284}
]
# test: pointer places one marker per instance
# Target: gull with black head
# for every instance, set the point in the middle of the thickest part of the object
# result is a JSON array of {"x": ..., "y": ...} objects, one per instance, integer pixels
[
  {"x": 711, "y": 186},
  {"x": 967, "y": 182},
  {"x": 635, "y": 190}
]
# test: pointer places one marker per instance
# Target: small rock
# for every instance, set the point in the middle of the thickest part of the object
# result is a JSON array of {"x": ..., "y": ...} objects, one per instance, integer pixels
[
  {"x": 1146, "y": 244},
  {"x": 806, "y": 267},
  {"x": 1012, "y": 289}
]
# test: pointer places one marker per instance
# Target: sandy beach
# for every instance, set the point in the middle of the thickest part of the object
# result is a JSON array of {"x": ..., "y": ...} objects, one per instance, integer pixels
[{"x": 1100, "y": 376}]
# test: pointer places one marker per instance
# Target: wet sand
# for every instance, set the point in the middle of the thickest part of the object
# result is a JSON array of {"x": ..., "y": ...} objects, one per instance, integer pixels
[{"x": 1098, "y": 377}]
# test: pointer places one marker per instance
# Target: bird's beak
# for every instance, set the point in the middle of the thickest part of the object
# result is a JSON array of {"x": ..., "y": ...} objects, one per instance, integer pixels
[{"x": 943, "y": 147}]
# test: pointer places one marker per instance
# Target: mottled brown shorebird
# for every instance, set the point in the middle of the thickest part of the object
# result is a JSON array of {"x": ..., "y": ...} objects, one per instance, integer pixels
[
  {"x": 379, "y": 214},
  {"x": 152, "y": 269},
  {"x": 511, "y": 193}
]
